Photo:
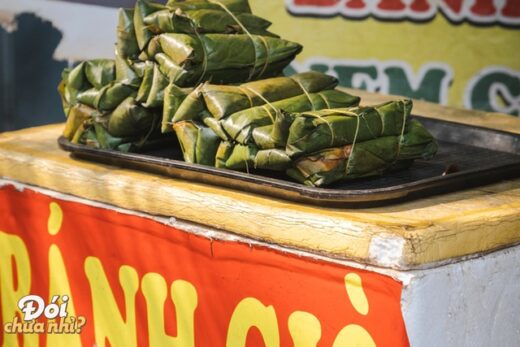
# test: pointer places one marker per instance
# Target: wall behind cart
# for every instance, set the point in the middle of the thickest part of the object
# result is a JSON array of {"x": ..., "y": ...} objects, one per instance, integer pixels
[
  {"x": 463, "y": 53},
  {"x": 38, "y": 39}
]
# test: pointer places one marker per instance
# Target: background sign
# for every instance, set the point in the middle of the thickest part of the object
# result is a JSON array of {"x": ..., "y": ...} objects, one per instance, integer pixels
[
  {"x": 462, "y": 53},
  {"x": 137, "y": 282}
]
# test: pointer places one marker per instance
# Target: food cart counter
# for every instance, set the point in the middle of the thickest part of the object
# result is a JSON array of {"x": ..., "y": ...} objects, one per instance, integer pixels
[{"x": 145, "y": 259}]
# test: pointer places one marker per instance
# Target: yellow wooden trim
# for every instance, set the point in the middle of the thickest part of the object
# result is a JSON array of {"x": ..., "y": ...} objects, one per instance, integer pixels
[
  {"x": 489, "y": 120},
  {"x": 433, "y": 229}
]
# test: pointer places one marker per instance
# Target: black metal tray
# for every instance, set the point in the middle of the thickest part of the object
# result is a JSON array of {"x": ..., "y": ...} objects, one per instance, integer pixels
[{"x": 467, "y": 157}]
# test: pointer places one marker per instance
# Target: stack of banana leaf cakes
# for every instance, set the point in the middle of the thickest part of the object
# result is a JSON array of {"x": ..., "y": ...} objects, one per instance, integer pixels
[{"x": 210, "y": 73}]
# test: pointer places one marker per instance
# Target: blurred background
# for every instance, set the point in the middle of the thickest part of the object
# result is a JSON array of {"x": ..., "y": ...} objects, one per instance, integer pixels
[{"x": 462, "y": 53}]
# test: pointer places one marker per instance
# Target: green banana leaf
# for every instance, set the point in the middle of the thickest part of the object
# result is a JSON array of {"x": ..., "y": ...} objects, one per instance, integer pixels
[
  {"x": 313, "y": 131},
  {"x": 126, "y": 45},
  {"x": 106, "y": 98},
  {"x": 366, "y": 158},
  {"x": 240, "y": 125},
  {"x": 102, "y": 84},
  {"x": 239, "y": 157},
  {"x": 272, "y": 159},
  {"x": 143, "y": 34},
  {"x": 77, "y": 116},
  {"x": 120, "y": 94},
  {"x": 206, "y": 21},
  {"x": 100, "y": 72},
  {"x": 125, "y": 73},
  {"x": 417, "y": 142},
  {"x": 174, "y": 72},
  {"x": 192, "y": 16},
  {"x": 223, "y": 153},
  {"x": 83, "y": 126},
  {"x": 97, "y": 136},
  {"x": 334, "y": 164},
  {"x": 130, "y": 119},
  {"x": 214, "y": 125},
  {"x": 225, "y": 59},
  {"x": 191, "y": 108},
  {"x": 248, "y": 157},
  {"x": 87, "y": 126},
  {"x": 146, "y": 82},
  {"x": 173, "y": 98},
  {"x": 237, "y": 6},
  {"x": 199, "y": 143},
  {"x": 151, "y": 90},
  {"x": 73, "y": 83},
  {"x": 273, "y": 135},
  {"x": 221, "y": 101}
]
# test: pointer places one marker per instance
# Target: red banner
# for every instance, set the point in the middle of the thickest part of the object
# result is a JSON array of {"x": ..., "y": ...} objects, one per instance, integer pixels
[{"x": 124, "y": 280}]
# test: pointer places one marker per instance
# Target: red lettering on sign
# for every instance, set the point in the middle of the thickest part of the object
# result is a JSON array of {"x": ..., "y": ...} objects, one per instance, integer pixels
[
  {"x": 511, "y": 9},
  {"x": 391, "y": 5},
  {"x": 483, "y": 8},
  {"x": 355, "y": 4},
  {"x": 420, "y": 6},
  {"x": 454, "y": 5},
  {"x": 320, "y": 3},
  {"x": 475, "y": 11}
]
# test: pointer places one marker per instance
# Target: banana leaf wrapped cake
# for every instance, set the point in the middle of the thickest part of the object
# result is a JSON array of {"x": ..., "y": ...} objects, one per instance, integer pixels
[
  {"x": 363, "y": 148},
  {"x": 267, "y": 126},
  {"x": 221, "y": 58},
  {"x": 196, "y": 41},
  {"x": 330, "y": 145},
  {"x": 109, "y": 99},
  {"x": 233, "y": 113},
  {"x": 148, "y": 19},
  {"x": 220, "y": 101},
  {"x": 209, "y": 72},
  {"x": 162, "y": 53}
]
